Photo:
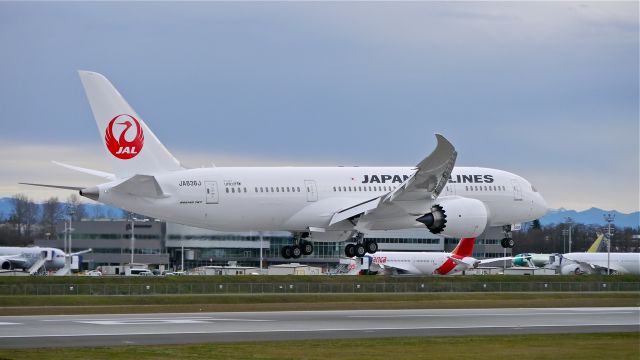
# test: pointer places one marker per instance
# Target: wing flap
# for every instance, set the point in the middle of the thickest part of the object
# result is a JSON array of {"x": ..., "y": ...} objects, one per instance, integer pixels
[{"x": 140, "y": 185}]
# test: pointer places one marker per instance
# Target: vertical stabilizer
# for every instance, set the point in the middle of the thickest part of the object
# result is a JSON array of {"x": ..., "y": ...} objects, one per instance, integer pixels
[
  {"x": 129, "y": 143},
  {"x": 464, "y": 247}
]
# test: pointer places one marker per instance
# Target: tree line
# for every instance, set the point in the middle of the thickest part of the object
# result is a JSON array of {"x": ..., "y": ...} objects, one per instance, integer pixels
[
  {"x": 554, "y": 238},
  {"x": 28, "y": 220}
]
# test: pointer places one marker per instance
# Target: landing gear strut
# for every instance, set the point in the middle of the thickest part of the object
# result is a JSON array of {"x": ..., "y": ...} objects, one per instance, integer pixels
[
  {"x": 300, "y": 247},
  {"x": 361, "y": 247},
  {"x": 507, "y": 242}
]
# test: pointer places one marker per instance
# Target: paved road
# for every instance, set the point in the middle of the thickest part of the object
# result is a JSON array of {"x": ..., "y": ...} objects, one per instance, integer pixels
[{"x": 102, "y": 330}]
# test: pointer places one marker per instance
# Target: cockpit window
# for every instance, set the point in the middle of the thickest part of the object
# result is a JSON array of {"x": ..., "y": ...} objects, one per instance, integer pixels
[{"x": 533, "y": 188}]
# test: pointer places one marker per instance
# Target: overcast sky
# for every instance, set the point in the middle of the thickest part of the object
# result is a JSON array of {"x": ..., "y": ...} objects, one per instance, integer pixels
[{"x": 545, "y": 90}]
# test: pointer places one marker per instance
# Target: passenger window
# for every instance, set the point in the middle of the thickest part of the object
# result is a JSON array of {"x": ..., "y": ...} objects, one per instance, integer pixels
[
  {"x": 288, "y": 189},
  {"x": 256, "y": 189},
  {"x": 272, "y": 189},
  {"x": 227, "y": 190},
  {"x": 261, "y": 189},
  {"x": 233, "y": 190},
  {"x": 298, "y": 188},
  {"x": 277, "y": 189},
  {"x": 245, "y": 190},
  {"x": 359, "y": 188}
]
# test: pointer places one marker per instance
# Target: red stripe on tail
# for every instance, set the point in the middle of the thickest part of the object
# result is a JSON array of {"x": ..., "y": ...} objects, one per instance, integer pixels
[{"x": 464, "y": 249}]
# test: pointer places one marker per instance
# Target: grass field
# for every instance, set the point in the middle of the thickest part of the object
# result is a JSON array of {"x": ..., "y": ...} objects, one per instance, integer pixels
[
  {"x": 521, "y": 347},
  {"x": 8, "y": 280},
  {"x": 91, "y": 304}
]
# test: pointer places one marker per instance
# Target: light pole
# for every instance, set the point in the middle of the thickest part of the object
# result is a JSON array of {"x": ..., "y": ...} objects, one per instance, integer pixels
[
  {"x": 67, "y": 245},
  {"x": 260, "y": 251},
  {"x": 609, "y": 219},
  {"x": 564, "y": 241},
  {"x": 569, "y": 221}
]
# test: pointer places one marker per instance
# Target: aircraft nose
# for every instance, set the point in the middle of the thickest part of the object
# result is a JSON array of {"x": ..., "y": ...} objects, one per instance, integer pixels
[{"x": 540, "y": 206}]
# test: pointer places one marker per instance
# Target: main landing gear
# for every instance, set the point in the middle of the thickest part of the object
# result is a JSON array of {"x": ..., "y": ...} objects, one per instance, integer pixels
[
  {"x": 507, "y": 242},
  {"x": 361, "y": 247},
  {"x": 300, "y": 247}
]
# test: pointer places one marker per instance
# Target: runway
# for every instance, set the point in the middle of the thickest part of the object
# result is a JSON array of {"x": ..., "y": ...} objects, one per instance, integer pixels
[{"x": 143, "y": 329}]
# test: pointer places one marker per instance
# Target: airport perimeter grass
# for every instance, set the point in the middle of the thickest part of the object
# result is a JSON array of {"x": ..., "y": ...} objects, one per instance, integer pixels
[
  {"x": 92, "y": 304},
  {"x": 522, "y": 347},
  {"x": 9, "y": 280}
]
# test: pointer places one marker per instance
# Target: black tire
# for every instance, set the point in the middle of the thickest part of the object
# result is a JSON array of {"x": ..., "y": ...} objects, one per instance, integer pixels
[
  {"x": 360, "y": 250},
  {"x": 307, "y": 248},
  {"x": 296, "y": 252},
  {"x": 350, "y": 250},
  {"x": 371, "y": 246},
  {"x": 286, "y": 252}
]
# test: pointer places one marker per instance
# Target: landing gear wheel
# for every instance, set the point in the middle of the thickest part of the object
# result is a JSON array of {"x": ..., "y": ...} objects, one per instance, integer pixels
[
  {"x": 307, "y": 248},
  {"x": 286, "y": 252},
  {"x": 350, "y": 250},
  {"x": 371, "y": 246},
  {"x": 296, "y": 252},
  {"x": 360, "y": 250},
  {"x": 507, "y": 243}
]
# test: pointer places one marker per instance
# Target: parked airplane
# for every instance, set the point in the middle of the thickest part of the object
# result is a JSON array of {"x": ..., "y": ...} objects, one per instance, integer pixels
[
  {"x": 428, "y": 263},
  {"x": 32, "y": 259},
  {"x": 596, "y": 263},
  {"x": 314, "y": 203},
  {"x": 544, "y": 260}
]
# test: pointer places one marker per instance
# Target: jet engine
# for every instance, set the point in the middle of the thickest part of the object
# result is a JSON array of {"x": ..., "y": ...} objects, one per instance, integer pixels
[
  {"x": 572, "y": 269},
  {"x": 456, "y": 217},
  {"x": 5, "y": 265}
]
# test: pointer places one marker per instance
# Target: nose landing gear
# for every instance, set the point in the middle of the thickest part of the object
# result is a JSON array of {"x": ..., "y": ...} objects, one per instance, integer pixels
[{"x": 507, "y": 242}]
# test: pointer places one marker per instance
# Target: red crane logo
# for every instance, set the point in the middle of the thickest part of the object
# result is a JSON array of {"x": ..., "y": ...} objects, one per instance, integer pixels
[{"x": 123, "y": 148}]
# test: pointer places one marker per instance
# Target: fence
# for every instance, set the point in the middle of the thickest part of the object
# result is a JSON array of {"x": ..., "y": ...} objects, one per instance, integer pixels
[{"x": 310, "y": 288}]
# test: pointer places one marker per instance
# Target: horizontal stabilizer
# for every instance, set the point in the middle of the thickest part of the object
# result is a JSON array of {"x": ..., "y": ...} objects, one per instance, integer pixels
[
  {"x": 140, "y": 185},
  {"x": 55, "y": 186},
  {"x": 98, "y": 173}
]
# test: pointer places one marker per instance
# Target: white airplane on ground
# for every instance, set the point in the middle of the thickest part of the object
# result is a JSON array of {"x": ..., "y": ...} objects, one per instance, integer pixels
[
  {"x": 314, "y": 203},
  {"x": 596, "y": 263},
  {"x": 428, "y": 263},
  {"x": 33, "y": 258}
]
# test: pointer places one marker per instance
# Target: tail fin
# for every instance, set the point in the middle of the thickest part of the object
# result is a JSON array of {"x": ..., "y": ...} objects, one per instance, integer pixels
[
  {"x": 596, "y": 244},
  {"x": 464, "y": 248},
  {"x": 137, "y": 151}
]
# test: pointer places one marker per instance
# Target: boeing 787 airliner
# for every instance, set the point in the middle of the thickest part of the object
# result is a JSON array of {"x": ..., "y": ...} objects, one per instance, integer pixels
[{"x": 314, "y": 203}]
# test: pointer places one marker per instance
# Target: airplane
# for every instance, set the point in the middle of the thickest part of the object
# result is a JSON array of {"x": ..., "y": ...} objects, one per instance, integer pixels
[
  {"x": 32, "y": 259},
  {"x": 315, "y": 204},
  {"x": 544, "y": 260},
  {"x": 596, "y": 263},
  {"x": 428, "y": 263}
]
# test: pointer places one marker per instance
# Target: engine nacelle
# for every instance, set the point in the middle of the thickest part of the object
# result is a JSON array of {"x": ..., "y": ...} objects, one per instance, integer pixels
[
  {"x": 572, "y": 269},
  {"x": 5, "y": 265},
  {"x": 457, "y": 217}
]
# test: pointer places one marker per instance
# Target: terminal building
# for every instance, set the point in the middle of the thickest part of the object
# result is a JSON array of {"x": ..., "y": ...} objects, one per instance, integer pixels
[{"x": 180, "y": 247}]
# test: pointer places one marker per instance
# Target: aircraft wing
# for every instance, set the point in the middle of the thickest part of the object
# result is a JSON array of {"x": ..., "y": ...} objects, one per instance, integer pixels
[
  {"x": 410, "y": 198},
  {"x": 596, "y": 267},
  {"x": 486, "y": 261},
  {"x": 403, "y": 268},
  {"x": 17, "y": 261}
]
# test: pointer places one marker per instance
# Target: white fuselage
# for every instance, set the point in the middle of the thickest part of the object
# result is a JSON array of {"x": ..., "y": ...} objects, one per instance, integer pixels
[
  {"x": 621, "y": 263},
  {"x": 297, "y": 198},
  {"x": 31, "y": 255},
  {"x": 417, "y": 263}
]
